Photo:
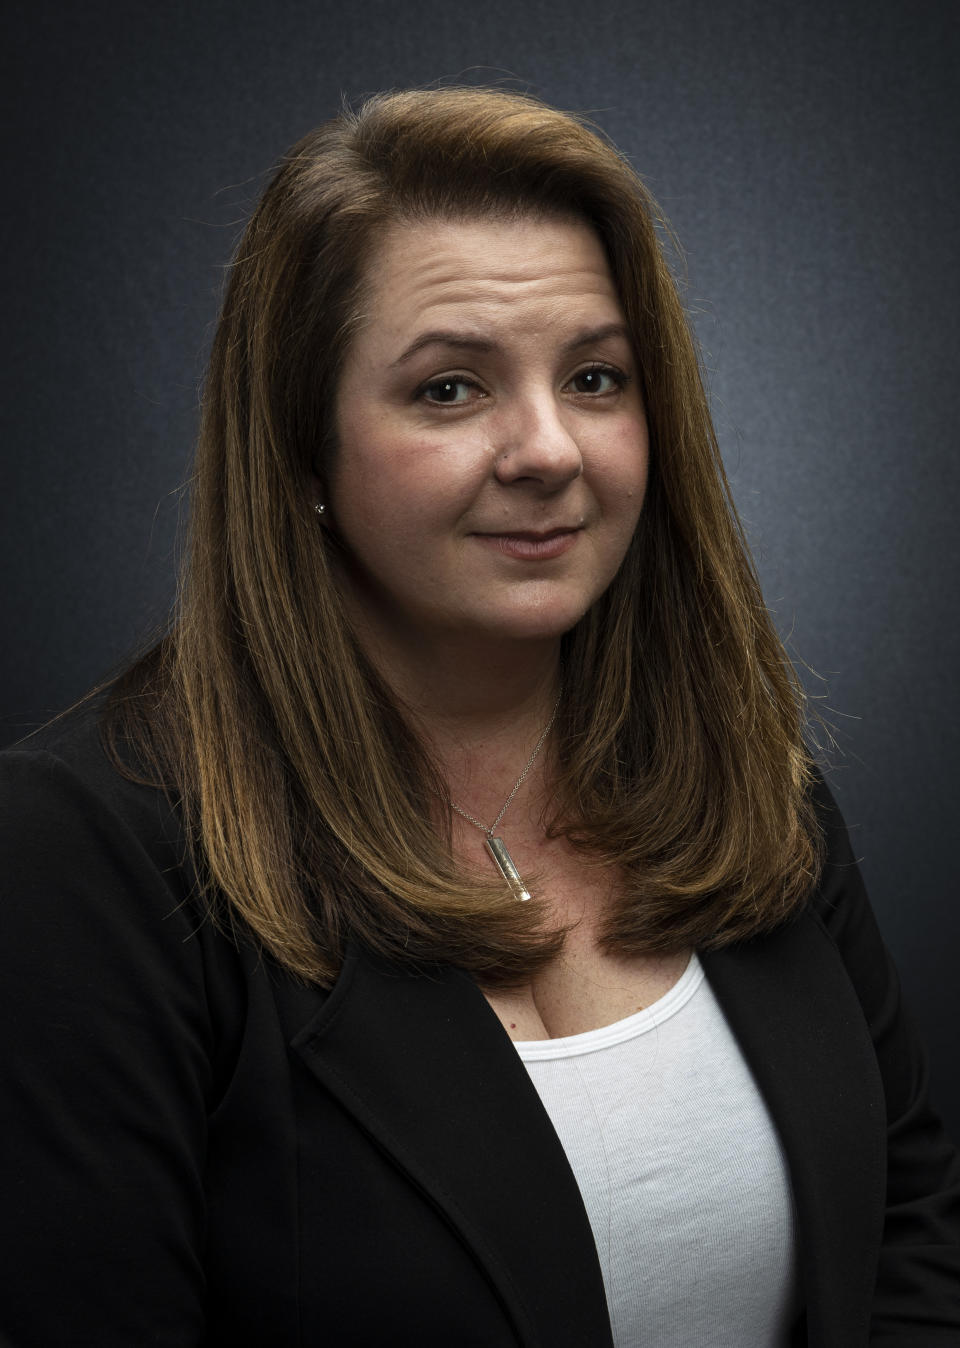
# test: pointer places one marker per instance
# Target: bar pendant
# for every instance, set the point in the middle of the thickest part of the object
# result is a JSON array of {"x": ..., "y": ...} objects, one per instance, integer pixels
[{"x": 498, "y": 850}]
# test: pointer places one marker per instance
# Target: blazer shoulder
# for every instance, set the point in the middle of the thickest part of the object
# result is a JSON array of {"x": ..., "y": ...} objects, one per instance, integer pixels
[
  {"x": 62, "y": 779},
  {"x": 840, "y": 896}
]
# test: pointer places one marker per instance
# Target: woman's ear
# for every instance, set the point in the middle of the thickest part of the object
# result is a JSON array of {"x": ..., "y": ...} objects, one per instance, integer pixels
[{"x": 318, "y": 496}]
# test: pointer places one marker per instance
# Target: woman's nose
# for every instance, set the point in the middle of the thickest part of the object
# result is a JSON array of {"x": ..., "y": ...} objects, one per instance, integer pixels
[{"x": 537, "y": 445}]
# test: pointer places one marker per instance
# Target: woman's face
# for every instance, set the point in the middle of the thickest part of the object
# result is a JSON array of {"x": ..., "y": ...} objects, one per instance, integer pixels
[{"x": 491, "y": 441}]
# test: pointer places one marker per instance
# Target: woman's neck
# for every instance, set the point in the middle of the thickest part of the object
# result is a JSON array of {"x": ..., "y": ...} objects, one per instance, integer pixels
[{"x": 480, "y": 709}]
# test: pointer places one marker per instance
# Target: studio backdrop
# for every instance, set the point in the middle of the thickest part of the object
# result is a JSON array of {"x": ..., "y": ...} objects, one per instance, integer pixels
[{"x": 806, "y": 155}]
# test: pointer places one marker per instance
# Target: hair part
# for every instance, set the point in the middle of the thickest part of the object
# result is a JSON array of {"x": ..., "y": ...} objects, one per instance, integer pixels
[{"x": 307, "y": 795}]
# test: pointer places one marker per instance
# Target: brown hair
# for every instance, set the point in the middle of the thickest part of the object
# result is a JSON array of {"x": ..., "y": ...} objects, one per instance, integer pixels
[{"x": 307, "y": 795}]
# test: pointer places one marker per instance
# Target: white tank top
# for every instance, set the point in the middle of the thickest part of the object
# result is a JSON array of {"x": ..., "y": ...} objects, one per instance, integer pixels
[{"x": 682, "y": 1174}]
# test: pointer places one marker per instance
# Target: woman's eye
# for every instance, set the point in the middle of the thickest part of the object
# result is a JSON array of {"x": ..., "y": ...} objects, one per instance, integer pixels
[
  {"x": 448, "y": 392},
  {"x": 597, "y": 380}
]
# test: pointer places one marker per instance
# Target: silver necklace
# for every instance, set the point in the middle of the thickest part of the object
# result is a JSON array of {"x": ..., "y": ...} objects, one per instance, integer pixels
[{"x": 496, "y": 846}]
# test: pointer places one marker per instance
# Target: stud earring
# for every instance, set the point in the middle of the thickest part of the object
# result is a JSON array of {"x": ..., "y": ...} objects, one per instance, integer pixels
[{"x": 321, "y": 509}]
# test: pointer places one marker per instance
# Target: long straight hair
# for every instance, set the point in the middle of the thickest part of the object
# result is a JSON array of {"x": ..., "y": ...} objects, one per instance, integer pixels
[{"x": 309, "y": 801}]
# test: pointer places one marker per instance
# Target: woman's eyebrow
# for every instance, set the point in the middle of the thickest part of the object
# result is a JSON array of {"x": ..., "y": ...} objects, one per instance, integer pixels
[
  {"x": 477, "y": 342},
  {"x": 592, "y": 336},
  {"x": 445, "y": 337}
]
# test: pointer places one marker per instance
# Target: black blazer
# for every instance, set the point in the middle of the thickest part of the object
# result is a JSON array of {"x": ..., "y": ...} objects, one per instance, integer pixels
[{"x": 200, "y": 1150}]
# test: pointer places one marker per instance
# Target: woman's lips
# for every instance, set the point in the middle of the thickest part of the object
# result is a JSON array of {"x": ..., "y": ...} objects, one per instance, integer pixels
[{"x": 532, "y": 547}]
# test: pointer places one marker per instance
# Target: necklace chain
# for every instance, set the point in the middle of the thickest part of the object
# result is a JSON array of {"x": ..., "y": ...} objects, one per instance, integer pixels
[{"x": 472, "y": 819}]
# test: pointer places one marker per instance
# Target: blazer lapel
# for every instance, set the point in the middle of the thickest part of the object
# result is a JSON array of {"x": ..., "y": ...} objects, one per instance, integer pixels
[
  {"x": 791, "y": 1005},
  {"x": 419, "y": 1059}
]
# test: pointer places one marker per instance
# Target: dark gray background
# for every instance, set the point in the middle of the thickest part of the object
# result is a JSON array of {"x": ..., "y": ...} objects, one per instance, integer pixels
[{"x": 806, "y": 155}]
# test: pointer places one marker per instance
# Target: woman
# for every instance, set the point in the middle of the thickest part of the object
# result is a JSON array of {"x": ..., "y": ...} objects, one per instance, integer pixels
[{"x": 442, "y": 936}]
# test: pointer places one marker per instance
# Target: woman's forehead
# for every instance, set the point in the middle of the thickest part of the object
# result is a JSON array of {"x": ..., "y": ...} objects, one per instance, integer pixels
[{"x": 474, "y": 276}]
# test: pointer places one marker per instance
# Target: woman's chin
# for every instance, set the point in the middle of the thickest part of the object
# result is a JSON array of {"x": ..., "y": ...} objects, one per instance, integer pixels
[
  {"x": 473, "y": 627},
  {"x": 542, "y": 624}
]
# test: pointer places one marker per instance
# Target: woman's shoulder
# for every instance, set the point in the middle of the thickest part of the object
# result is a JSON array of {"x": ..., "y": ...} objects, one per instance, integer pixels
[
  {"x": 86, "y": 849},
  {"x": 63, "y": 780},
  {"x": 839, "y": 901},
  {"x": 102, "y": 918},
  {"x": 75, "y": 743}
]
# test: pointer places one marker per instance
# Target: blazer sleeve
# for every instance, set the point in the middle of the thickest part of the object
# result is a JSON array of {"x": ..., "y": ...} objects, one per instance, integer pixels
[
  {"x": 105, "y": 1069},
  {"x": 917, "y": 1296}
]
